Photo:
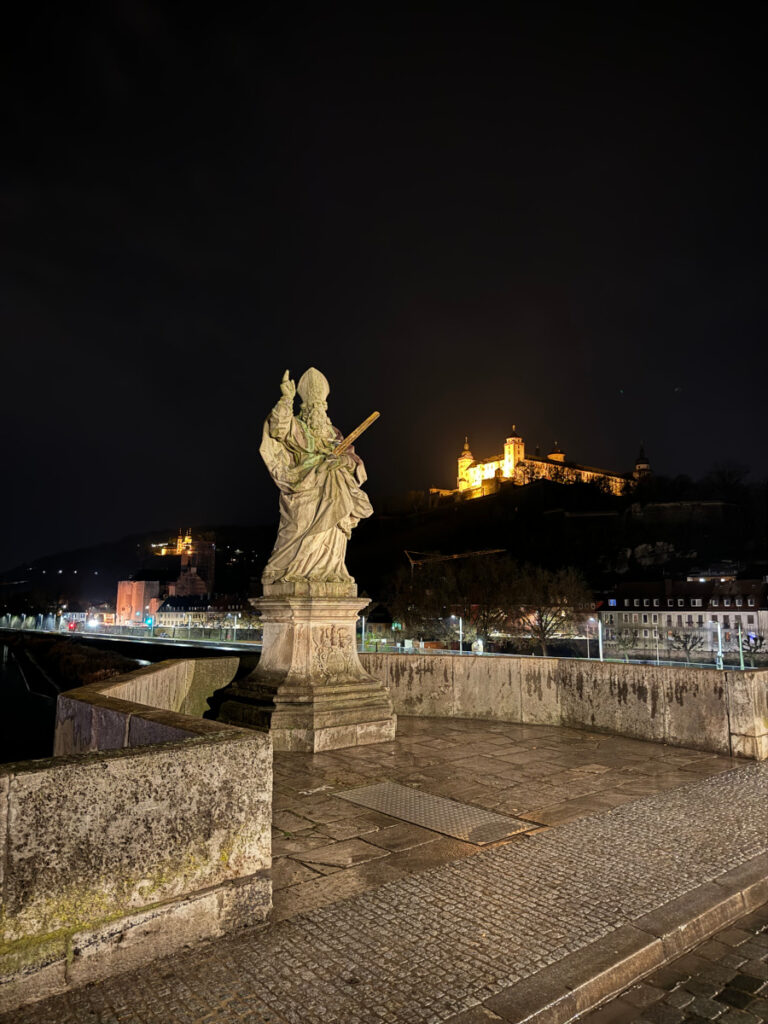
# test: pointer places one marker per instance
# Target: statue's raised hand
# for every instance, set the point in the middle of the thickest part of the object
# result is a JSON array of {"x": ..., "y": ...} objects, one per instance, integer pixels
[{"x": 287, "y": 386}]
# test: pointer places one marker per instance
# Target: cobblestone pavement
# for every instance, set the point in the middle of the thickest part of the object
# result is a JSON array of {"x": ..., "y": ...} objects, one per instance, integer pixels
[
  {"x": 725, "y": 979},
  {"x": 325, "y": 848},
  {"x": 426, "y": 947}
]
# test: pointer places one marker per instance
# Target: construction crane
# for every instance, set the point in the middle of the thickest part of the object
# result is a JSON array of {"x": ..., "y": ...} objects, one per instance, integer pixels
[{"x": 427, "y": 557}]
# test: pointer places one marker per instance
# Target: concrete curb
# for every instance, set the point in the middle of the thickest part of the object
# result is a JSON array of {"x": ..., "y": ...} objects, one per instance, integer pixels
[{"x": 583, "y": 980}]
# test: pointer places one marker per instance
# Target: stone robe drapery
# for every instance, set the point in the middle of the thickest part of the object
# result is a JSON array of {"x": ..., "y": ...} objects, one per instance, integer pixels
[{"x": 320, "y": 499}]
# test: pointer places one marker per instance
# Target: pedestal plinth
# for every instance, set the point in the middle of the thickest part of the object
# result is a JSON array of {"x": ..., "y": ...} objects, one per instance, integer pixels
[{"x": 309, "y": 689}]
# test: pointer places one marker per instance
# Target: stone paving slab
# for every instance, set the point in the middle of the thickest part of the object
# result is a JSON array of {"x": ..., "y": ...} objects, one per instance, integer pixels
[{"x": 452, "y": 939}]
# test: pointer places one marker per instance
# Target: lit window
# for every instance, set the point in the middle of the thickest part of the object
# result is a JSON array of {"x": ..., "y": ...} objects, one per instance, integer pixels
[
  {"x": 646, "y": 602},
  {"x": 727, "y": 602},
  {"x": 715, "y": 602},
  {"x": 655, "y": 602}
]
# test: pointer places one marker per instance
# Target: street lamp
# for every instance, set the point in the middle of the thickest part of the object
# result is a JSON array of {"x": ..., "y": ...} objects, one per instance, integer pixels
[
  {"x": 461, "y": 634},
  {"x": 587, "y": 630}
]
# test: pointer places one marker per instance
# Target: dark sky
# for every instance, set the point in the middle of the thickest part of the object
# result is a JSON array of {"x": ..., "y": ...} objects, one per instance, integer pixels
[{"x": 554, "y": 219}]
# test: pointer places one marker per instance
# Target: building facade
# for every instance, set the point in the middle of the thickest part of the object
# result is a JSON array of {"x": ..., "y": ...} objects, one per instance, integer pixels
[
  {"x": 136, "y": 601},
  {"x": 689, "y": 616},
  {"x": 477, "y": 478},
  {"x": 195, "y": 611}
]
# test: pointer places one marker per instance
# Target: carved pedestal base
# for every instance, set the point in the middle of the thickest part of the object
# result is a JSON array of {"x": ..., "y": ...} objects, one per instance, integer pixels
[{"x": 309, "y": 689}]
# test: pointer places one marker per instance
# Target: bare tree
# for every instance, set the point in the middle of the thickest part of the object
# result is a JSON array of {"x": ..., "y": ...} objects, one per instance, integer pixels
[
  {"x": 483, "y": 591},
  {"x": 688, "y": 642},
  {"x": 624, "y": 640},
  {"x": 549, "y": 605},
  {"x": 752, "y": 644}
]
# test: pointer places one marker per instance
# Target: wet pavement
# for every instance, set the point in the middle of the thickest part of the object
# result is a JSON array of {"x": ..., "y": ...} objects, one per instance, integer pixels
[
  {"x": 724, "y": 979},
  {"x": 325, "y": 848},
  {"x": 379, "y": 920}
]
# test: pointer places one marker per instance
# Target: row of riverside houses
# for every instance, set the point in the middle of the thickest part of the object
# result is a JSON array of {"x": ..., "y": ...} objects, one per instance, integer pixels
[{"x": 648, "y": 616}]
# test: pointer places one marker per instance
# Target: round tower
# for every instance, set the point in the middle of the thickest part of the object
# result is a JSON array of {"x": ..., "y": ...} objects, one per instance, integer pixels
[
  {"x": 465, "y": 461},
  {"x": 642, "y": 465},
  {"x": 514, "y": 452}
]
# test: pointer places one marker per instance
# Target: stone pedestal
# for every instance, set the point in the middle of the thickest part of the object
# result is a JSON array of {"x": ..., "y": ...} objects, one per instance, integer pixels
[{"x": 309, "y": 689}]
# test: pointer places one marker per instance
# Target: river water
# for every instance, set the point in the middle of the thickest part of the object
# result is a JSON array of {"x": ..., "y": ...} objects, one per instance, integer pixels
[{"x": 27, "y": 717}]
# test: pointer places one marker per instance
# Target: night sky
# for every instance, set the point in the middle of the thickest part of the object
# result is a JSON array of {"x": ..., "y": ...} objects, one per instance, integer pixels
[{"x": 555, "y": 220}]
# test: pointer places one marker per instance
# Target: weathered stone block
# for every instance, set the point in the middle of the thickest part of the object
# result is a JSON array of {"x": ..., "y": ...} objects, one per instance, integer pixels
[
  {"x": 38, "y": 982},
  {"x": 244, "y": 902},
  {"x": 422, "y": 684},
  {"x": 697, "y": 708},
  {"x": 110, "y": 728},
  {"x": 207, "y": 676},
  {"x": 485, "y": 687},
  {"x": 74, "y": 727},
  {"x": 161, "y": 727},
  {"x": 137, "y": 939},
  {"x": 750, "y": 880},
  {"x": 141, "y": 828},
  {"x": 377, "y": 665},
  {"x": 539, "y": 691},
  {"x": 689, "y": 919},
  {"x": 4, "y": 787},
  {"x": 163, "y": 685}
]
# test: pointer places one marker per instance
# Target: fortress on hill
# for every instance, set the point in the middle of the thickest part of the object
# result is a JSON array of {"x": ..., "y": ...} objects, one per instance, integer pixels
[{"x": 477, "y": 478}]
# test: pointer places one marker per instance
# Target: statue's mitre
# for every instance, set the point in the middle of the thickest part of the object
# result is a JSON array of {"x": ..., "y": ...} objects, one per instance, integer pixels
[{"x": 313, "y": 387}]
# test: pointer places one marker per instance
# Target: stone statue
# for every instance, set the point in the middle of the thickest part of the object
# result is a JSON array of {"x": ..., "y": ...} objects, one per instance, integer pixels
[{"x": 321, "y": 499}]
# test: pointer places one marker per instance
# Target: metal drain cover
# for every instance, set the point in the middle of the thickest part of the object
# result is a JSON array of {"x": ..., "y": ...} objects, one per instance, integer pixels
[{"x": 462, "y": 821}]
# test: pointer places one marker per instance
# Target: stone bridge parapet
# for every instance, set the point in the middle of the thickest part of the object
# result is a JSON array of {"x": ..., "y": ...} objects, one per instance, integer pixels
[
  {"x": 149, "y": 830},
  {"x": 722, "y": 711}
]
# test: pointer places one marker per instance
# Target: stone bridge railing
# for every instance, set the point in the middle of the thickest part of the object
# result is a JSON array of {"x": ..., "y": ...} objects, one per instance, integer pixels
[
  {"x": 149, "y": 830},
  {"x": 726, "y": 712}
]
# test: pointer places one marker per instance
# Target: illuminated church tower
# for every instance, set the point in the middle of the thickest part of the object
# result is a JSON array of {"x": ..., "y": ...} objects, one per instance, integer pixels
[
  {"x": 514, "y": 453},
  {"x": 465, "y": 461}
]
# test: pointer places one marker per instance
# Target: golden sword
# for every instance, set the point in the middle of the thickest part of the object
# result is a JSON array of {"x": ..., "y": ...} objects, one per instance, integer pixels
[{"x": 342, "y": 446}]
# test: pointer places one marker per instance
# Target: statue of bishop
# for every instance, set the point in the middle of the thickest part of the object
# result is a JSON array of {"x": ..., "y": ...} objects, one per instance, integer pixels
[{"x": 321, "y": 498}]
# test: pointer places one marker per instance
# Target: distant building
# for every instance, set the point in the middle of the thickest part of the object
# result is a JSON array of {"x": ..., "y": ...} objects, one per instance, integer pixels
[
  {"x": 182, "y": 568},
  {"x": 195, "y": 610},
  {"x": 183, "y": 611},
  {"x": 477, "y": 478},
  {"x": 198, "y": 555},
  {"x": 136, "y": 600},
  {"x": 638, "y": 616}
]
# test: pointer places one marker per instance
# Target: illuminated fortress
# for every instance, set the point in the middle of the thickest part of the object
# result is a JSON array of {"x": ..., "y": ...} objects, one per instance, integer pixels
[{"x": 478, "y": 478}]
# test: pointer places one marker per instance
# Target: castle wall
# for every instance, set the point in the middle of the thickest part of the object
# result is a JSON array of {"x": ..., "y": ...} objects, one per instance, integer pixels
[
  {"x": 725, "y": 712},
  {"x": 152, "y": 833}
]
